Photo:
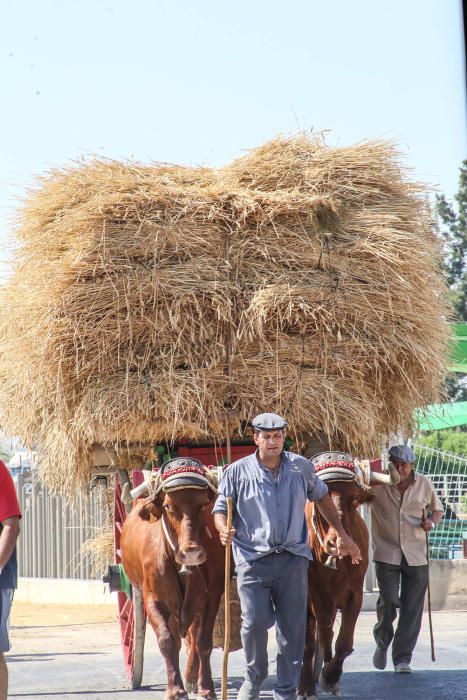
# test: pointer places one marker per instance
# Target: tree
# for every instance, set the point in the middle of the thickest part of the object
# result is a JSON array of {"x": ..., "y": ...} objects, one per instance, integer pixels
[{"x": 453, "y": 229}]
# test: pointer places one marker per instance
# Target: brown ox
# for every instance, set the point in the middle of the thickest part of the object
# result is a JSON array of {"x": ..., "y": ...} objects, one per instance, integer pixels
[
  {"x": 332, "y": 589},
  {"x": 158, "y": 538}
]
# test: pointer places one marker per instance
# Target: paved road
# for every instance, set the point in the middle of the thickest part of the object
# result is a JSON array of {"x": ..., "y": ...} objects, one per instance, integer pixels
[{"x": 79, "y": 659}]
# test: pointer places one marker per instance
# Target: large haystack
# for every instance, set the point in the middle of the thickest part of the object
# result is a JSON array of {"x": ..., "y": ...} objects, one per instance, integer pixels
[{"x": 149, "y": 301}]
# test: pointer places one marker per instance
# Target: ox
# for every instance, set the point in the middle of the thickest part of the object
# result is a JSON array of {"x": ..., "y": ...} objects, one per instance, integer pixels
[
  {"x": 334, "y": 584},
  {"x": 172, "y": 553}
]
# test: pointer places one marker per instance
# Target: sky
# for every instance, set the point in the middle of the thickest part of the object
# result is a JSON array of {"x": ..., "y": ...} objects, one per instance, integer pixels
[{"x": 199, "y": 82}]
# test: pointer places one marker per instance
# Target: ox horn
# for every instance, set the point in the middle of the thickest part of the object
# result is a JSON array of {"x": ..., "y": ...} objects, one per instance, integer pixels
[
  {"x": 392, "y": 478},
  {"x": 139, "y": 491}
]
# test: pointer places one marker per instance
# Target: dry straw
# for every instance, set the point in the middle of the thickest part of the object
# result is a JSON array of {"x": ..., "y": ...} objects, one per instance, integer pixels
[
  {"x": 100, "y": 549},
  {"x": 148, "y": 301}
]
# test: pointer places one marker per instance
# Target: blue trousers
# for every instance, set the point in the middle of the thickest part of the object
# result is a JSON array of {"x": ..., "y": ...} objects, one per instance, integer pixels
[{"x": 274, "y": 589}]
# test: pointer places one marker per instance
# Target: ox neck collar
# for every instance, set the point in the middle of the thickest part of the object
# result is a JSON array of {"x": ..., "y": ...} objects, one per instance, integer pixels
[
  {"x": 184, "y": 570},
  {"x": 167, "y": 534}
]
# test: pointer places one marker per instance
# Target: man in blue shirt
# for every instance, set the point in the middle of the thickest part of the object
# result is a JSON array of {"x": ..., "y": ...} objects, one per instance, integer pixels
[{"x": 269, "y": 490}]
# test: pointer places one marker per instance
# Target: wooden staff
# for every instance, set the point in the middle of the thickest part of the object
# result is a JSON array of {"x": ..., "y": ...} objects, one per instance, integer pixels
[
  {"x": 429, "y": 593},
  {"x": 225, "y": 659}
]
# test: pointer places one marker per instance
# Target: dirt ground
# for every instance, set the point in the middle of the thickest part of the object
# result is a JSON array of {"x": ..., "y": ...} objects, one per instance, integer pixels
[
  {"x": 31, "y": 615},
  {"x": 73, "y": 652}
]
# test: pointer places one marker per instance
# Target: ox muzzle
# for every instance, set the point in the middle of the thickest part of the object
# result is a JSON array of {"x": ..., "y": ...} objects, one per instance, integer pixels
[{"x": 191, "y": 555}]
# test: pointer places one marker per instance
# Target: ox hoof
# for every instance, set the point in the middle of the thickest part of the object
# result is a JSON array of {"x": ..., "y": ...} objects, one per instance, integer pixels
[
  {"x": 307, "y": 697},
  {"x": 333, "y": 688},
  {"x": 180, "y": 695}
]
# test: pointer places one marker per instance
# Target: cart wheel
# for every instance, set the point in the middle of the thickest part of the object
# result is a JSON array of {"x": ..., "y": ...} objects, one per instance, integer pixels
[
  {"x": 132, "y": 630},
  {"x": 131, "y": 612}
]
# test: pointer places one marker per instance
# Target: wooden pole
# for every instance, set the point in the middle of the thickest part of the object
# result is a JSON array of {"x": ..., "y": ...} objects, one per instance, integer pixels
[
  {"x": 227, "y": 441},
  {"x": 228, "y": 351},
  {"x": 225, "y": 658},
  {"x": 432, "y": 641}
]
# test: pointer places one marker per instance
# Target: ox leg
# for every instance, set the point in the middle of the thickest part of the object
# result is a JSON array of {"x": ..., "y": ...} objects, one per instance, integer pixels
[
  {"x": 192, "y": 663},
  {"x": 169, "y": 641},
  {"x": 204, "y": 647},
  {"x": 325, "y": 622},
  {"x": 325, "y": 630},
  {"x": 306, "y": 686},
  {"x": 332, "y": 671}
]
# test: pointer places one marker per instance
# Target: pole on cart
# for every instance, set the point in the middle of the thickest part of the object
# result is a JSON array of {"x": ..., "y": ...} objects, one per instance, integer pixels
[
  {"x": 225, "y": 659},
  {"x": 429, "y": 592},
  {"x": 228, "y": 444}
]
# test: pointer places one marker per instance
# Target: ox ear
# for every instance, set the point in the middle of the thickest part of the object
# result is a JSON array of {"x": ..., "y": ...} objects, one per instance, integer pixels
[
  {"x": 151, "y": 508},
  {"x": 212, "y": 494},
  {"x": 366, "y": 496}
]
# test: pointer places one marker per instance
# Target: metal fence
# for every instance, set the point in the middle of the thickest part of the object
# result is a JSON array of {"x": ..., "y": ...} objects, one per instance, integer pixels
[
  {"x": 53, "y": 531},
  {"x": 448, "y": 474}
]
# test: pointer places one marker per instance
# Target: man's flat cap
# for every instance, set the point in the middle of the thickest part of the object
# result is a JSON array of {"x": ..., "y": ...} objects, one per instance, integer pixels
[
  {"x": 402, "y": 453},
  {"x": 269, "y": 421}
]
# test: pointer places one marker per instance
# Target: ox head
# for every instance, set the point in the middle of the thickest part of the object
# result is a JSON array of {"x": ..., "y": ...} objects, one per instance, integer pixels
[
  {"x": 348, "y": 481},
  {"x": 183, "y": 497},
  {"x": 339, "y": 467}
]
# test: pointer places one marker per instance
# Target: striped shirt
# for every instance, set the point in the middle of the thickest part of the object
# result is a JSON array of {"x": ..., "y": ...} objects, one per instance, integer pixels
[{"x": 269, "y": 511}]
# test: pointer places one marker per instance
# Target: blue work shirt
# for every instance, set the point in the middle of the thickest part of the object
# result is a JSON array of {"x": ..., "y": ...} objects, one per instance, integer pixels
[{"x": 268, "y": 512}]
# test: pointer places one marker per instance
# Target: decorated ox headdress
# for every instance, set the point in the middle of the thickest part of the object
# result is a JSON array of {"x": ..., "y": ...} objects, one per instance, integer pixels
[
  {"x": 177, "y": 473},
  {"x": 334, "y": 466},
  {"x": 340, "y": 466},
  {"x": 183, "y": 473}
]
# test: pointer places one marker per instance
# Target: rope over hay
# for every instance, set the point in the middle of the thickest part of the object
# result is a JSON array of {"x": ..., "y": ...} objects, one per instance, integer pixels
[{"x": 127, "y": 291}]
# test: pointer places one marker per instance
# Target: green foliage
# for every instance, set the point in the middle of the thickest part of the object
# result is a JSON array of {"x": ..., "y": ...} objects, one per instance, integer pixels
[
  {"x": 453, "y": 229},
  {"x": 448, "y": 440},
  {"x": 451, "y": 441},
  {"x": 452, "y": 217},
  {"x": 455, "y": 389}
]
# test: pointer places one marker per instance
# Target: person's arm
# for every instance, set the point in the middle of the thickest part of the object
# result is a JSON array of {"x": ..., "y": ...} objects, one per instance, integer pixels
[
  {"x": 8, "y": 539},
  {"x": 435, "y": 508},
  {"x": 344, "y": 544},
  {"x": 429, "y": 523},
  {"x": 226, "y": 490}
]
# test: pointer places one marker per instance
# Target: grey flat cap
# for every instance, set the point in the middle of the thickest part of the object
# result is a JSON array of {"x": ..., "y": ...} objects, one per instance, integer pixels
[
  {"x": 402, "y": 453},
  {"x": 269, "y": 421}
]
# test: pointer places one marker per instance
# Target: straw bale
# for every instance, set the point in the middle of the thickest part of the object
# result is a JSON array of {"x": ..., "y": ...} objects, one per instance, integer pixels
[{"x": 150, "y": 301}]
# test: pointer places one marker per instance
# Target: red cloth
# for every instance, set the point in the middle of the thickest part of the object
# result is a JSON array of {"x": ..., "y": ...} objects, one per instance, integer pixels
[{"x": 9, "y": 506}]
